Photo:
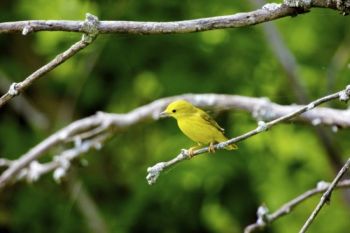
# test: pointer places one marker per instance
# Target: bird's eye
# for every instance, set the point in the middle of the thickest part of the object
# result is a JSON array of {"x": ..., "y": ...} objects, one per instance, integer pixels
[{"x": 174, "y": 110}]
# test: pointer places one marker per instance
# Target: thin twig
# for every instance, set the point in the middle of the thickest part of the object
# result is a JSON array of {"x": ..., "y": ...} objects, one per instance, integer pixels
[
  {"x": 267, "y": 218},
  {"x": 154, "y": 171},
  {"x": 16, "y": 88},
  {"x": 325, "y": 197},
  {"x": 267, "y": 13}
]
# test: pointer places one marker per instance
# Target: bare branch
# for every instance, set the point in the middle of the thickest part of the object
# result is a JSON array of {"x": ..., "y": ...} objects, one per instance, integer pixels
[
  {"x": 67, "y": 134},
  {"x": 16, "y": 88},
  {"x": 154, "y": 171},
  {"x": 265, "y": 218},
  {"x": 61, "y": 163},
  {"x": 326, "y": 197},
  {"x": 267, "y": 13},
  {"x": 94, "y": 126}
]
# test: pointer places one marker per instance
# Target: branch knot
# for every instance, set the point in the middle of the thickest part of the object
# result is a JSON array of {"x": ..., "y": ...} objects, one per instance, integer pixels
[
  {"x": 61, "y": 171},
  {"x": 13, "y": 91},
  {"x": 90, "y": 28},
  {"x": 304, "y": 4},
  {"x": 262, "y": 126},
  {"x": 262, "y": 214},
  {"x": 27, "y": 29},
  {"x": 34, "y": 171},
  {"x": 345, "y": 94},
  {"x": 271, "y": 6}
]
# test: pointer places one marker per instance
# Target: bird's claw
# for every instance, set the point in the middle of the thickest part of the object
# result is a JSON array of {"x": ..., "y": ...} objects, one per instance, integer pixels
[
  {"x": 211, "y": 148},
  {"x": 190, "y": 152}
]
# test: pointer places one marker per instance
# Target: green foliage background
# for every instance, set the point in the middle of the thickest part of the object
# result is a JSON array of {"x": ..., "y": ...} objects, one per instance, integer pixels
[{"x": 118, "y": 73}]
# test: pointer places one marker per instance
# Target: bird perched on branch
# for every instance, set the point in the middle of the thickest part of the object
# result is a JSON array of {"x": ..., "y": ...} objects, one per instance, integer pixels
[{"x": 197, "y": 125}]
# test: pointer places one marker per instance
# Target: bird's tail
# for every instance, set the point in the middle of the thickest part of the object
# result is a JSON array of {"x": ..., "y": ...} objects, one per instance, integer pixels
[{"x": 231, "y": 147}]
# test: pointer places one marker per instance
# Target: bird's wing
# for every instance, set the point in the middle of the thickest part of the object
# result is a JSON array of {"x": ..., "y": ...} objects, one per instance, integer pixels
[{"x": 210, "y": 120}]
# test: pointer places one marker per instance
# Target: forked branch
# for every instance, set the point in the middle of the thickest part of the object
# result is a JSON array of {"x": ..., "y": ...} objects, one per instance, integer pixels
[
  {"x": 16, "y": 88},
  {"x": 326, "y": 197},
  {"x": 154, "y": 171},
  {"x": 265, "y": 218}
]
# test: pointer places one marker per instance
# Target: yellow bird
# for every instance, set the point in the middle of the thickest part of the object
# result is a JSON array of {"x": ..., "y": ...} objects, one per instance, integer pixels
[{"x": 197, "y": 125}]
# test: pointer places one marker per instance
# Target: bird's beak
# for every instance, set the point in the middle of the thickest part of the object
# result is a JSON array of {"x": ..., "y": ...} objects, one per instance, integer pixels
[{"x": 163, "y": 114}]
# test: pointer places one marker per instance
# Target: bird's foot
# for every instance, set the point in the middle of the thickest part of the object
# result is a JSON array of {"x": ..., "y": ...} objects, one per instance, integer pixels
[
  {"x": 190, "y": 152},
  {"x": 211, "y": 148}
]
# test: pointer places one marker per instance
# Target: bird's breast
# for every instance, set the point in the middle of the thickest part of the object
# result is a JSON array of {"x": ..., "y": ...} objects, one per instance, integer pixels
[{"x": 197, "y": 130}]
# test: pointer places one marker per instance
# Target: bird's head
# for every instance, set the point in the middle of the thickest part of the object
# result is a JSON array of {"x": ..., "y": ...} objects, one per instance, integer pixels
[{"x": 178, "y": 109}]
